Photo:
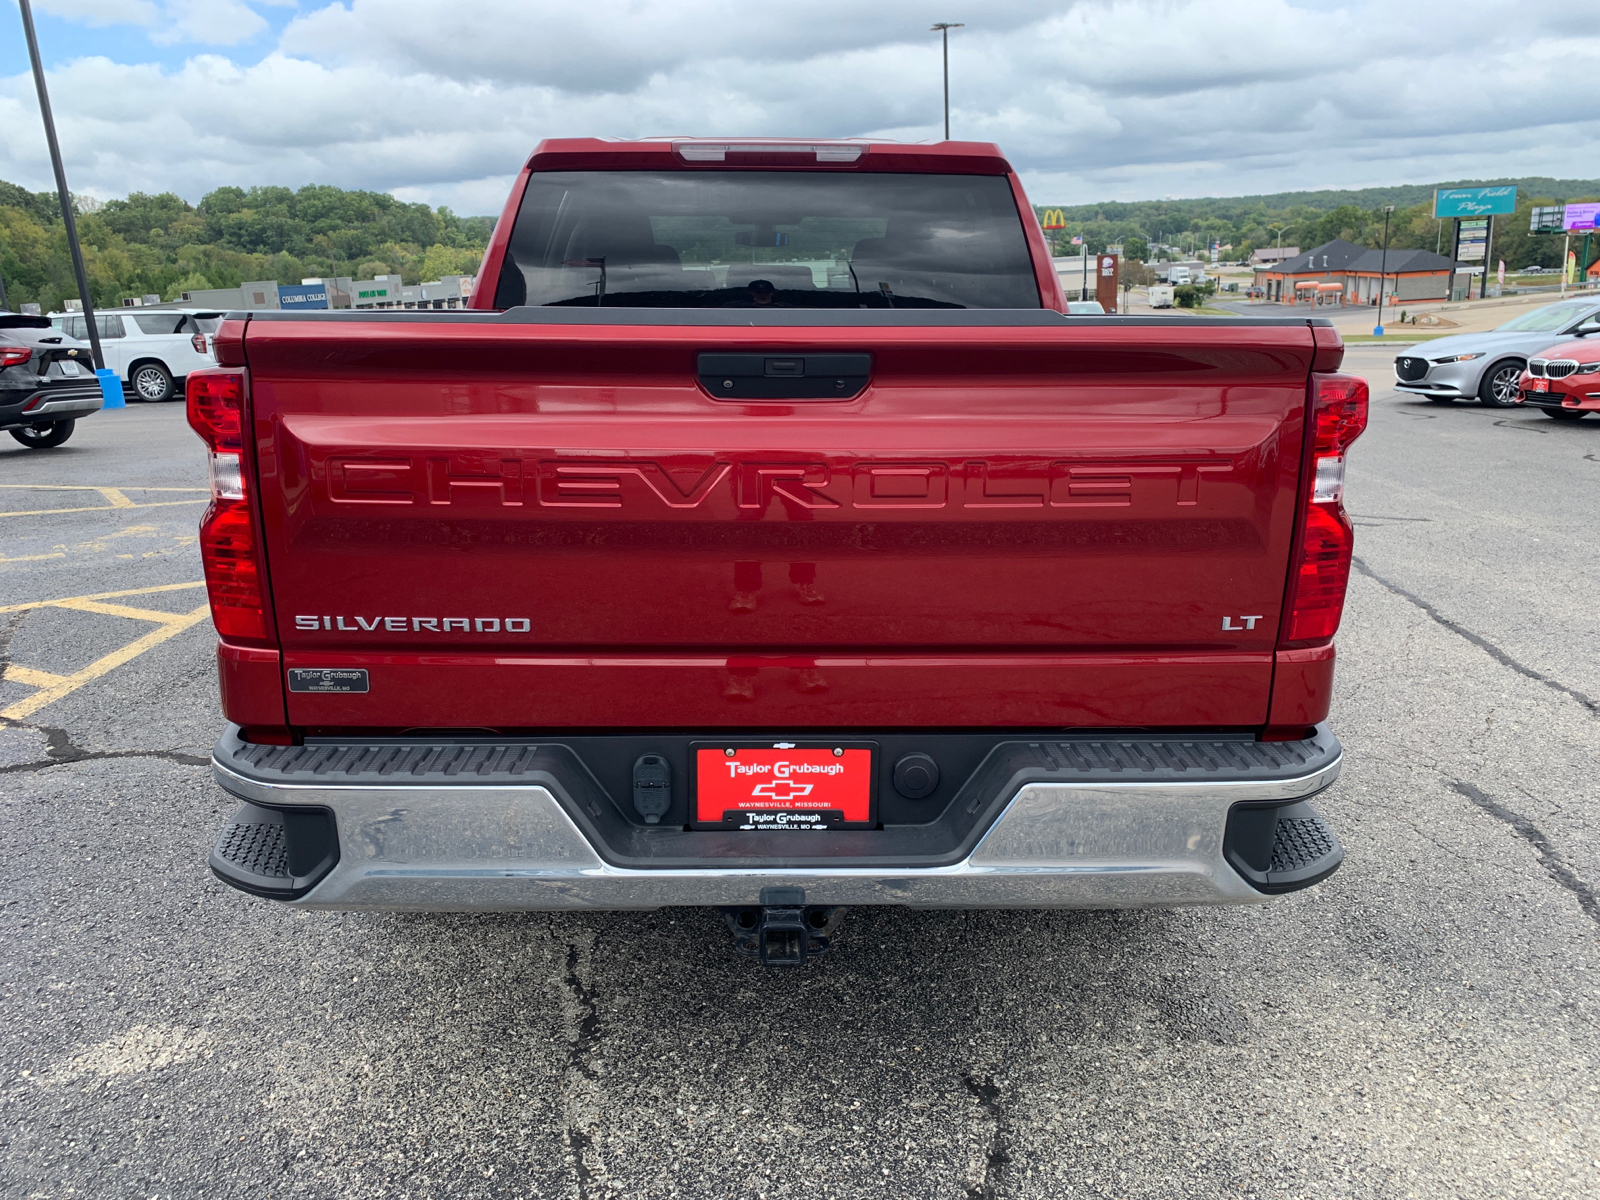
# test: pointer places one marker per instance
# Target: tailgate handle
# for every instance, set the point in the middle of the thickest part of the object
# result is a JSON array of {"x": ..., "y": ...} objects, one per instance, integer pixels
[{"x": 745, "y": 377}]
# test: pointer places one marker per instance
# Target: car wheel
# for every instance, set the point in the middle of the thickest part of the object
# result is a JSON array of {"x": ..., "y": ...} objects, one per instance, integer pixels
[
  {"x": 152, "y": 381},
  {"x": 1567, "y": 414},
  {"x": 1498, "y": 388},
  {"x": 44, "y": 435}
]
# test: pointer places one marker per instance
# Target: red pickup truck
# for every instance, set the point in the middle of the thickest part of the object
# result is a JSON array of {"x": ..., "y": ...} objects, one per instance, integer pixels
[{"x": 766, "y": 535}]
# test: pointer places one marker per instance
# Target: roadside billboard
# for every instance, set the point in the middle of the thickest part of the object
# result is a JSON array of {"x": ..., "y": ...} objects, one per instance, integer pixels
[
  {"x": 1474, "y": 202},
  {"x": 1581, "y": 216}
]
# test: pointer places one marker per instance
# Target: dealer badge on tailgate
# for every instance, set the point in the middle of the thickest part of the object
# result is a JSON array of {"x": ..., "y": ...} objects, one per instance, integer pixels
[{"x": 783, "y": 785}]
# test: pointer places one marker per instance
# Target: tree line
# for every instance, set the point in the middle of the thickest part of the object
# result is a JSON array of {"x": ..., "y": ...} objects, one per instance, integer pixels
[
  {"x": 162, "y": 245},
  {"x": 1243, "y": 224}
]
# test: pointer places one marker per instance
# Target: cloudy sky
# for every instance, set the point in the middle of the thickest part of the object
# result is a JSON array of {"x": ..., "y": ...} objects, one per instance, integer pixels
[{"x": 1092, "y": 99}]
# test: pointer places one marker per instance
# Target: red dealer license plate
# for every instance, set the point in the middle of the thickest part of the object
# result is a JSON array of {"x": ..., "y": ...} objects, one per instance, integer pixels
[
  {"x": 1538, "y": 385},
  {"x": 783, "y": 786}
]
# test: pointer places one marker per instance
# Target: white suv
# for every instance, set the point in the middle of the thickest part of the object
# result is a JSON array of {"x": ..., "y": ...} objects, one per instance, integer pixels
[{"x": 152, "y": 350}]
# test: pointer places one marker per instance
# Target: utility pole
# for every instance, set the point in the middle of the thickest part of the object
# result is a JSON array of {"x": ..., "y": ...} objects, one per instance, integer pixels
[
  {"x": 1383, "y": 268},
  {"x": 61, "y": 187},
  {"x": 942, "y": 28},
  {"x": 1278, "y": 229}
]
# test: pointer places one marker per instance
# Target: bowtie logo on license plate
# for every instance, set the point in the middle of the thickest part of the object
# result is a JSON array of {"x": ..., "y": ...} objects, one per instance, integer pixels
[{"x": 782, "y": 790}]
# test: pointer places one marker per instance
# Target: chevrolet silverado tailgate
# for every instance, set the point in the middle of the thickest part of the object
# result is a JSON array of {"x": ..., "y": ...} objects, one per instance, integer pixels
[{"x": 613, "y": 519}]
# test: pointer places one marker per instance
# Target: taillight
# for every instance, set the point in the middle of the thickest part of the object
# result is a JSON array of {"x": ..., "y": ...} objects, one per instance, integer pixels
[
  {"x": 1322, "y": 564},
  {"x": 12, "y": 356},
  {"x": 228, "y": 546},
  {"x": 198, "y": 341}
]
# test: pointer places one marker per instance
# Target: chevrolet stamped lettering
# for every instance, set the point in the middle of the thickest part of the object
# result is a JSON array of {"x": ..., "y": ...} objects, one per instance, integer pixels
[{"x": 595, "y": 482}]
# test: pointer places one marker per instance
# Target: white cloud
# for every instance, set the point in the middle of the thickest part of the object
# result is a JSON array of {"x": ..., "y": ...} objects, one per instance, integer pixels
[
  {"x": 102, "y": 12},
  {"x": 1092, "y": 100},
  {"x": 212, "y": 22}
]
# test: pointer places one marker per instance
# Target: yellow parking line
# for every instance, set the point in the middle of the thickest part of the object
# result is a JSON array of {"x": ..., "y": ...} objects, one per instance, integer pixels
[
  {"x": 119, "y": 610},
  {"x": 82, "y": 487},
  {"x": 24, "y": 709},
  {"x": 27, "y": 675},
  {"x": 149, "y": 591},
  {"x": 115, "y": 497},
  {"x": 32, "y": 557},
  {"x": 41, "y": 512}
]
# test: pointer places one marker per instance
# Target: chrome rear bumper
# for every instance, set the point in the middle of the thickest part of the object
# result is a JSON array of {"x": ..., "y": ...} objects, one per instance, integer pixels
[{"x": 466, "y": 845}]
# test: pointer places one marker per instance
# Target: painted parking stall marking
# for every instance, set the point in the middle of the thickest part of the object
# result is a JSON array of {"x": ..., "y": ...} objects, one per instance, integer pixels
[{"x": 52, "y": 686}]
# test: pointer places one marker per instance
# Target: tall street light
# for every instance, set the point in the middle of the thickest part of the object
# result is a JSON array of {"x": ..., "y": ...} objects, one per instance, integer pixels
[
  {"x": 61, "y": 187},
  {"x": 942, "y": 28},
  {"x": 1383, "y": 269},
  {"x": 1278, "y": 229}
]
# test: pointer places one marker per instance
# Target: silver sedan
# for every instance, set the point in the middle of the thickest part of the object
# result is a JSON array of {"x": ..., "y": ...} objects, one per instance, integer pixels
[{"x": 1486, "y": 366}]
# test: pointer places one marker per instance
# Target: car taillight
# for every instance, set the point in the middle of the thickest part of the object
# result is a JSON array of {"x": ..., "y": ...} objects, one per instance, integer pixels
[
  {"x": 1325, "y": 543},
  {"x": 14, "y": 356},
  {"x": 228, "y": 544},
  {"x": 198, "y": 341}
]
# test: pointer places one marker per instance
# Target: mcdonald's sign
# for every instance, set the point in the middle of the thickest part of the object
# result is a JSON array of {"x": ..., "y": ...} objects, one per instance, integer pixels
[{"x": 1053, "y": 218}]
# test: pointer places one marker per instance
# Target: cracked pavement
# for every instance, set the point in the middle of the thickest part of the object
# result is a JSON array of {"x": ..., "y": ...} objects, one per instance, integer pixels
[{"x": 1423, "y": 1024}]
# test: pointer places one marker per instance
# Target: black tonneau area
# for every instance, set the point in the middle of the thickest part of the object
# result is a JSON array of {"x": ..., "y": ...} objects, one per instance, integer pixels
[{"x": 590, "y": 777}]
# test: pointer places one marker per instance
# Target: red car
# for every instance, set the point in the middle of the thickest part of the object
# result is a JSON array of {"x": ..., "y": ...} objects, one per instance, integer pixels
[
  {"x": 768, "y": 535},
  {"x": 1565, "y": 380}
]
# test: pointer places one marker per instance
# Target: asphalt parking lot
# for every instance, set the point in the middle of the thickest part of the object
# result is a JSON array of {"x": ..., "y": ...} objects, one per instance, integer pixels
[{"x": 1425, "y": 1024}]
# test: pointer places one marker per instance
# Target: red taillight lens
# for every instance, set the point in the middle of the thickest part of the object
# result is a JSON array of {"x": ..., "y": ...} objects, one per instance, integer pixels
[
  {"x": 233, "y": 580},
  {"x": 1319, "y": 585},
  {"x": 216, "y": 407},
  {"x": 198, "y": 341},
  {"x": 1322, "y": 567},
  {"x": 228, "y": 547},
  {"x": 13, "y": 356},
  {"x": 1341, "y": 412}
]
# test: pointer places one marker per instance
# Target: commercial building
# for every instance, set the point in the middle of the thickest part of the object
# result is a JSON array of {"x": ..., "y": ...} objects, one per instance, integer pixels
[
  {"x": 1340, "y": 272},
  {"x": 386, "y": 291},
  {"x": 1269, "y": 255}
]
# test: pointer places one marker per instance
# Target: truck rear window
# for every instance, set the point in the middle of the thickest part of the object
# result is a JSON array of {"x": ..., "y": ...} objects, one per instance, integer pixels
[{"x": 751, "y": 239}]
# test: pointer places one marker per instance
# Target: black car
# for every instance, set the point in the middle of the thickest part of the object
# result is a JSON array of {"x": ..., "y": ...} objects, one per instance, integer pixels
[{"x": 47, "y": 381}]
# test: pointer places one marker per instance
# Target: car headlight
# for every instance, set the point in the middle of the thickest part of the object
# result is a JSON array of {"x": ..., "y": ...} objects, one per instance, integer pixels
[
  {"x": 1589, "y": 368},
  {"x": 1459, "y": 358}
]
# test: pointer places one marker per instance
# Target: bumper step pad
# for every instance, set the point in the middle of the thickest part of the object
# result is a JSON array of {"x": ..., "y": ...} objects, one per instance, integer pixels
[
  {"x": 278, "y": 853},
  {"x": 1281, "y": 847}
]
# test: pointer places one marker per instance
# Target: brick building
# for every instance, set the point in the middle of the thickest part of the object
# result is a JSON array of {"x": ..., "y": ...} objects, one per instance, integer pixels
[{"x": 1341, "y": 272}]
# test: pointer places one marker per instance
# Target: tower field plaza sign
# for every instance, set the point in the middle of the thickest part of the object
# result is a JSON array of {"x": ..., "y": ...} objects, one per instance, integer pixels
[{"x": 1474, "y": 202}]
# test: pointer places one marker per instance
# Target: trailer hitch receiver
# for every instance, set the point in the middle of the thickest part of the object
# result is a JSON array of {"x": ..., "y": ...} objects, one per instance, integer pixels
[{"x": 783, "y": 930}]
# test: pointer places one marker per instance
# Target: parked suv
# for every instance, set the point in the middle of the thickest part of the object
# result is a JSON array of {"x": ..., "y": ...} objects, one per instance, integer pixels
[
  {"x": 151, "y": 351},
  {"x": 1488, "y": 365},
  {"x": 47, "y": 381}
]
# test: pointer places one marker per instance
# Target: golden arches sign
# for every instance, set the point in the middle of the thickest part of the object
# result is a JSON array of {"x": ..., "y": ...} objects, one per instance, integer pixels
[{"x": 1053, "y": 218}]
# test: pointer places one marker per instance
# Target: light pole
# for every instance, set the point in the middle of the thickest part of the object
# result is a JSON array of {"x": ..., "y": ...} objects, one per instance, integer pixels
[
  {"x": 1383, "y": 269},
  {"x": 61, "y": 187},
  {"x": 943, "y": 28},
  {"x": 1278, "y": 229}
]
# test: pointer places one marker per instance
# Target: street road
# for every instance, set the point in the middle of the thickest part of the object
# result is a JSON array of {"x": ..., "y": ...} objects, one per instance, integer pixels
[{"x": 1424, "y": 1024}]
